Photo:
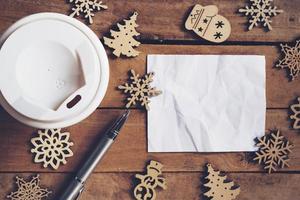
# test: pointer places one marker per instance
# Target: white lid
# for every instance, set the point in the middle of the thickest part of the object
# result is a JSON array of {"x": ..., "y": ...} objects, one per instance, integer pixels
[{"x": 48, "y": 62}]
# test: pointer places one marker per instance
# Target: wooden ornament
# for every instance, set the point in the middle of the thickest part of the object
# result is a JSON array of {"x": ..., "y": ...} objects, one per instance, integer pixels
[
  {"x": 260, "y": 11},
  {"x": 86, "y": 8},
  {"x": 205, "y": 22},
  {"x": 146, "y": 189},
  {"x": 139, "y": 90},
  {"x": 291, "y": 59},
  {"x": 123, "y": 41},
  {"x": 51, "y": 147},
  {"x": 273, "y": 151},
  {"x": 296, "y": 114},
  {"x": 29, "y": 190},
  {"x": 220, "y": 187}
]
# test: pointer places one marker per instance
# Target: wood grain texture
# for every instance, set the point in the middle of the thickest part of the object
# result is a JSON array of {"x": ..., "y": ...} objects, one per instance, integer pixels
[
  {"x": 188, "y": 186},
  {"x": 161, "y": 21},
  {"x": 129, "y": 152},
  {"x": 164, "y": 19},
  {"x": 280, "y": 91}
]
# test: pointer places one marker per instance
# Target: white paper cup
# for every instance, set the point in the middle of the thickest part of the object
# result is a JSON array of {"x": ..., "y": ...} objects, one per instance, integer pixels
[{"x": 54, "y": 71}]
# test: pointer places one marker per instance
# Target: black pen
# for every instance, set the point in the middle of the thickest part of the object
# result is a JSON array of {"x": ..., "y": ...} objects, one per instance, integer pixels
[{"x": 76, "y": 187}]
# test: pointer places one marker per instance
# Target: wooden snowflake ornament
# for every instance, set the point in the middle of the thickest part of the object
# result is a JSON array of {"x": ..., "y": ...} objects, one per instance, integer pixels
[
  {"x": 123, "y": 41},
  {"x": 296, "y": 115},
  {"x": 220, "y": 187},
  {"x": 273, "y": 151},
  {"x": 260, "y": 11},
  {"x": 149, "y": 182},
  {"x": 29, "y": 190},
  {"x": 291, "y": 59},
  {"x": 139, "y": 90},
  {"x": 86, "y": 8},
  {"x": 51, "y": 147}
]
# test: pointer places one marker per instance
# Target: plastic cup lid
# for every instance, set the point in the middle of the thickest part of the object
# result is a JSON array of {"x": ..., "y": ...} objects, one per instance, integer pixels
[{"x": 54, "y": 70}]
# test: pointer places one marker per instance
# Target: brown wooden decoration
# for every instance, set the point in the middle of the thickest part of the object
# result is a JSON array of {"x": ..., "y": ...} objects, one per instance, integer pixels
[
  {"x": 273, "y": 151},
  {"x": 296, "y": 114},
  {"x": 291, "y": 59},
  {"x": 123, "y": 41},
  {"x": 29, "y": 190},
  {"x": 139, "y": 90},
  {"x": 86, "y": 8},
  {"x": 220, "y": 187},
  {"x": 206, "y": 23},
  {"x": 260, "y": 11},
  {"x": 146, "y": 189},
  {"x": 51, "y": 147}
]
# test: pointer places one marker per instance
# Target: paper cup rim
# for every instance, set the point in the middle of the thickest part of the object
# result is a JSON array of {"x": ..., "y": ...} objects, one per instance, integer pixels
[{"x": 104, "y": 72}]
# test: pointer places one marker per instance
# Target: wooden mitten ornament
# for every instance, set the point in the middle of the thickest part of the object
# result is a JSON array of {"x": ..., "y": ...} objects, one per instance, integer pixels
[
  {"x": 220, "y": 187},
  {"x": 122, "y": 41},
  {"x": 146, "y": 189},
  {"x": 205, "y": 22}
]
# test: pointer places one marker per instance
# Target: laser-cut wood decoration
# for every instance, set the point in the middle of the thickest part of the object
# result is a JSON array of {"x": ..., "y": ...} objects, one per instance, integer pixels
[
  {"x": 123, "y": 41},
  {"x": 273, "y": 151},
  {"x": 220, "y": 187},
  {"x": 86, "y": 8},
  {"x": 260, "y": 11},
  {"x": 139, "y": 90},
  {"x": 291, "y": 59},
  {"x": 146, "y": 189},
  {"x": 51, "y": 147},
  {"x": 296, "y": 114},
  {"x": 205, "y": 22},
  {"x": 29, "y": 190}
]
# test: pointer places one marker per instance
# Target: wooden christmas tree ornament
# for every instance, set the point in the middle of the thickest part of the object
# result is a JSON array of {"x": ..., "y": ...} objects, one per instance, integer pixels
[
  {"x": 123, "y": 41},
  {"x": 146, "y": 189},
  {"x": 220, "y": 187},
  {"x": 296, "y": 115},
  {"x": 139, "y": 89},
  {"x": 51, "y": 147},
  {"x": 86, "y": 8},
  {"x": 291, "y": 59},
  {"x": 206, "y": 23},
  {"x": 260, "y": 11},
  {"x": 273, "y": 151},
  {"x": 29, "y": 190}
]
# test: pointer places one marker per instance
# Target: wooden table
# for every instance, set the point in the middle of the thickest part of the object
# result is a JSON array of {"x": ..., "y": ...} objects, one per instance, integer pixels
[{"x": 161, "y": 24}]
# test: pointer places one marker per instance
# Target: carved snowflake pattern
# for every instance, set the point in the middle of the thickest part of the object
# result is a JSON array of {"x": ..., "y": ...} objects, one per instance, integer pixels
[
  {"x": 291, "y": 59},
  {"x": 273, "y": 151},
  {"x": 29, "y": 190},
  {"x": 139, "y": 90},
  {"x": 296, "y": 114},
  {"x": 87, "y": 8},
  {"x": 51, "y": 147},
  {"x": 260, "y": 11}
]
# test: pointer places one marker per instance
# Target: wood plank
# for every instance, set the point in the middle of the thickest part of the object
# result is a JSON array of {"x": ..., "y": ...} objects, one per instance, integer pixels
[
  {"x": 129, "y": 153},
  {"x": 280, "y": 91},
  {"x": 165, "y": 19},
  {"x": 188, "y": 186}
]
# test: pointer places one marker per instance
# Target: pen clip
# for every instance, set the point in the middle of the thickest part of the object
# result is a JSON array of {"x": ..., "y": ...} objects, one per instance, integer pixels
[{"x": 79, "y": 193}]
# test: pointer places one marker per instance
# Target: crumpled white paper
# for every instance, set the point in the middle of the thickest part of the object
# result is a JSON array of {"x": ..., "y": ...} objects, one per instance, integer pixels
[{"x": 210, "y": 103}]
